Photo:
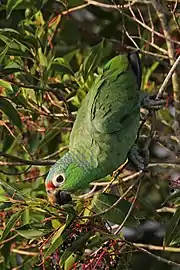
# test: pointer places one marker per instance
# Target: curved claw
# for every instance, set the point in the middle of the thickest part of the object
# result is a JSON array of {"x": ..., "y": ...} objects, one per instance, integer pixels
[
  {"x": 151, "y": 103},
  {"x": 136, "y": 159}
]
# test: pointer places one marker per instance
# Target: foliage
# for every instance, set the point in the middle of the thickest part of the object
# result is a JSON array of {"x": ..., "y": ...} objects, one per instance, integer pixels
[{"x": 50, "y": 54}]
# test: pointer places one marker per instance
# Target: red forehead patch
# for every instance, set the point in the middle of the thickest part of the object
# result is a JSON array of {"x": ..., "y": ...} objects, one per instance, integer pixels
[{"x": 50, "y": 185}]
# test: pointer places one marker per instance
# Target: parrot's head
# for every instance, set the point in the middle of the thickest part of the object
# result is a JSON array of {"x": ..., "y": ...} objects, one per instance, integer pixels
[{"x": 67, "y": 175}]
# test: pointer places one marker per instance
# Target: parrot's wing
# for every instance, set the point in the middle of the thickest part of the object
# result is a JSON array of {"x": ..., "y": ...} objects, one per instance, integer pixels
[{"x": 115, "y": 100}]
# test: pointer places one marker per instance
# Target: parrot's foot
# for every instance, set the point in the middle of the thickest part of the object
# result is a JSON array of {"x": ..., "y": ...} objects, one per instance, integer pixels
[
  {"x": 151, "y": 103},
  {"x": 137, "y": 159}
]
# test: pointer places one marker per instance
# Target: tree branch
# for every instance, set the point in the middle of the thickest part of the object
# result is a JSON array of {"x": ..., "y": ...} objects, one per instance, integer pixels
[
  {"x": 158, "y": 258},
  {"x": 170, "y": 73},
  {"x": 55, "y": 91},
  {"x": 171, "y": 52},
  {"x": 154, "y": 247},
  {"x": 20, "y": 161},
  {"x": 134, "y": 18}
]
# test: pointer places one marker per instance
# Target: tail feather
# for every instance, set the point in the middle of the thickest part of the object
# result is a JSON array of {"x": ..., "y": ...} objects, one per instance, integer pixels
[{"x": 135, "y": 62}]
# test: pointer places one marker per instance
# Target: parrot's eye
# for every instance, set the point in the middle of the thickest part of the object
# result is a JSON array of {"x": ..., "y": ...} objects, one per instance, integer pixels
[{"x": 58, "y": 180}]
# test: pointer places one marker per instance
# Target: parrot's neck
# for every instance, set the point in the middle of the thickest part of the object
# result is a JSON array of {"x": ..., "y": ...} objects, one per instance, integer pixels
[
  {"x": 82, "y": 169},
  {"x": 84, "y": 158}
]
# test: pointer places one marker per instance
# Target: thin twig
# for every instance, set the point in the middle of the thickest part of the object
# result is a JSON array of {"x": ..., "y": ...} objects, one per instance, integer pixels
[
  {"x": 151, "y": 44},
  {"x": 23, "y": 252},
  {"x": 158, "y": 258},
  {"x": 153, "y": 247},
  {"x": 134, "y": 18},
  {"x": 152, "y": 24},
  {"x": 55, "y": 91},
  {"x": 9, "y": 239},
  {"x": 171, "y": 71},
  {"x": 164, "y": 165},
  {"x": 15, "y": 173},
  {"x": 109, "y": 6},
  {"x": 70, "y": 10},
  {"x": 130, "y": 209},
  {"x": 61, "y": 149},
  {"x": 20, "y": 161},
  {"x": 130, "y": 37},
  {"x": 136, "y": 174},
  {"x": 148, "y": 27},
  {"x": 116, "y": 174},
  {"x": 166, "y": 210},
  {"x": 114, "y": 204},
  {"x": 127, "y": 178},
  {"x": 161, "y": 13},
  {"x": 15, "y": 137}
]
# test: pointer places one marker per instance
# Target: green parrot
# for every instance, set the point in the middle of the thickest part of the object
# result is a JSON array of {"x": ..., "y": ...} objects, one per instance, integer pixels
[{"x": 104, "y": 131}]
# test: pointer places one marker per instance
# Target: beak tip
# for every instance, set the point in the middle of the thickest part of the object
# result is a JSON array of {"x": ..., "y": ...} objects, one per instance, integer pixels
[{"x": 51, "y": 198}]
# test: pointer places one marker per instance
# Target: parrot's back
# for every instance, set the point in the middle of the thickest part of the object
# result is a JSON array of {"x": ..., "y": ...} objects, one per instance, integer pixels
[{"x": 107, "y": 122}]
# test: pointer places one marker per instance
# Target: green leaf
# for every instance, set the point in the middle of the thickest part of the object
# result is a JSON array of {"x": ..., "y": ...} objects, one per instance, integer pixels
[
  {"x": 10, "y": 68},
  {"x": 3, "y": 53},
  {"x": 42, "y": 58},
  {"x": 69, "y": 209},
  {"x": 172, "y": 229},
  {"x": 10, "y": 224},
  {"x": 98, "y": 239},
  {"x": 55, "y": 223},
  {"x": 10, "y": 111},
  {"x": 60, "y": 236},
  {"x": 7, "y": 141},
  {"x": 11, "y": 4},
  {"x": 33, "y": 141},
  {"x": 6, "y": 85},
  {"x": 31, "y": 41},
  {"x": 166, "y": 118},
  {"x": 29, "y": 262},
  {"x": 77, "y": 245},
  {"x": 26, "y": 216},
  {"x": 31, "y": 233},
  {"x": 148, "y": 74},
  {"x": 9, "y": 30},
  {"x": 97, "y": 53},
  {"x": 61, "y": 65},
  {"x": 145, "y": 209},
  {"x": 5, "y": 205},
  {"x": 7, "y": 71},
  {"x": 103, "y": 201},
  {"x": 174, "y": 197},
  {"x": 11, "y": 191},
  {"x": 52, "y": 133},
  {"x": 69, "y": 262},
  {"x": 15, "y": 46},
  {"x": 58, "y": 239}
]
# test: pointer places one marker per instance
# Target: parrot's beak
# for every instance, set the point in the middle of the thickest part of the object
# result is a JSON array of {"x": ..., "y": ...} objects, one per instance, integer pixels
[
  {"x": 51, "y": 196},
  {"x": 57, "y": 196},
  {"x": 62, "y": 197}
]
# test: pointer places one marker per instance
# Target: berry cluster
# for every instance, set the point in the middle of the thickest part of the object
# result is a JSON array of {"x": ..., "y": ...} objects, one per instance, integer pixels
[
  {"x": 74, "y": 232},
  {"x": 105, "y": 258},
  {"x": 55, "y": 261}
]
